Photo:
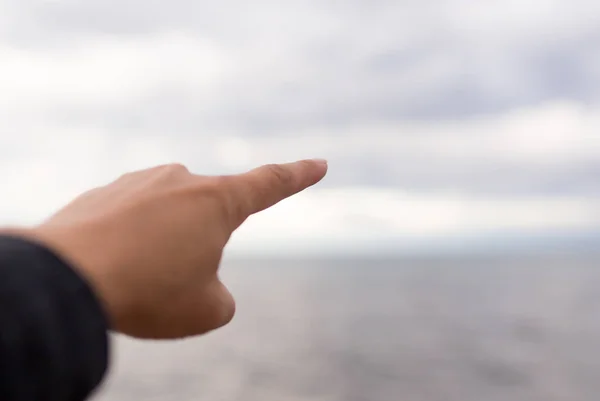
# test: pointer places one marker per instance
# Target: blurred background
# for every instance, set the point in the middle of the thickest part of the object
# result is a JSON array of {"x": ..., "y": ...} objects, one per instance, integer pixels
[{"x": 450, "y": 254}]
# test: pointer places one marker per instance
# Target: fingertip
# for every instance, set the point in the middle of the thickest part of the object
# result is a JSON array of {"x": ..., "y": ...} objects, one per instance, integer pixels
[
  {"x": 266, "y": 186},
  {"x": 323, "y": 162},
  {"x": 322, "y": 166}
]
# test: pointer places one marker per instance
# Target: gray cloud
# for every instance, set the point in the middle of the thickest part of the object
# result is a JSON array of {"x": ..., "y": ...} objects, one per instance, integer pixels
[
  {"x": 300, "y": 67},
  {"x": 359, "y": 60}
]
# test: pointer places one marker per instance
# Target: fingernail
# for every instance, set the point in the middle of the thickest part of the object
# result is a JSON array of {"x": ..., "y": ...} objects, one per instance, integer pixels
[{"x": 320, "y": 161}]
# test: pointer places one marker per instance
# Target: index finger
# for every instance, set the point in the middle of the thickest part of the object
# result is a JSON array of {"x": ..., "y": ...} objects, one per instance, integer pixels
[{"x": 268, "y": 185}]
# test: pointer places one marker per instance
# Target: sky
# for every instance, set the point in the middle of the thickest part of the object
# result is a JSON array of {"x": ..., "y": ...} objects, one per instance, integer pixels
[{"x": 445, "y": 123}]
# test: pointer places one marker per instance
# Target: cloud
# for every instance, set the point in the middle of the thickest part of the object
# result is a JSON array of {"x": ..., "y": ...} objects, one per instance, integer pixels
[
  {"x": 552, "y": 149},
  {"x": 106, "y": 71},
  {"x": 307, "y": 62},
  {"x": 493, "y": 175},
  {"x": 440, "y": 102},
  {"x": 362, "y": 220}
]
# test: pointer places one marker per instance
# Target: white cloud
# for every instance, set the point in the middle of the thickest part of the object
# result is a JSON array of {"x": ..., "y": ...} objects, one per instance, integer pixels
[
  {"x": 301, "y": 61},
  {"x": 53, "y": 168},
  {"x": 350, "y": 217},
  {"x": 467, "y": 115},
  {"x": 106, "y": 70}
]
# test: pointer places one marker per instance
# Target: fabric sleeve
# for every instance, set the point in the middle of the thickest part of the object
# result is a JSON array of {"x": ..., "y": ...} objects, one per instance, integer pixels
[{"x": 54, "y": 340}]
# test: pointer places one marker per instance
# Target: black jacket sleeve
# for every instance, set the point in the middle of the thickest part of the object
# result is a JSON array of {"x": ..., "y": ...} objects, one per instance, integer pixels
[{"x": 53, "y": 332}]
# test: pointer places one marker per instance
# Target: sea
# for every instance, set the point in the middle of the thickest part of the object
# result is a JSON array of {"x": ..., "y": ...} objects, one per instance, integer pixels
[{"x": 460, "y": 328}]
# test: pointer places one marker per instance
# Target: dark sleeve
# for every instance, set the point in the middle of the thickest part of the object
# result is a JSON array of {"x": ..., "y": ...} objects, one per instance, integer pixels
[{"x": 53, "y": 333}]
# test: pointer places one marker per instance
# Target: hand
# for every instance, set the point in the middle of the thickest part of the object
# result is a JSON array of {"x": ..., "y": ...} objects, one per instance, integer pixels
[{"x": 150, "y": 243}]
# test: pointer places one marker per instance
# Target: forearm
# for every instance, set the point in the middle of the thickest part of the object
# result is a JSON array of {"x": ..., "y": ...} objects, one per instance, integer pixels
[{"x": 53, "y": 333}]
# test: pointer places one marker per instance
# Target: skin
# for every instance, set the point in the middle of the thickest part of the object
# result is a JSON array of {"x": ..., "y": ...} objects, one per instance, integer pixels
[{"x": 150, "y": 243}]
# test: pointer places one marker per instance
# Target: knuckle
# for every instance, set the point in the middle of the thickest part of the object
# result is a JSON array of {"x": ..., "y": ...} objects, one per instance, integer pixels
[
  {"x": 229, "y": 314},
  {"x": 225, "y": 310},
  {"x": 216, "y": 306},
  {"x": 215, "y": 190},
  {"x": 280, "y": 173},
  {"x": 306, "y": 163},
  {"x": 226, "y": 313},
  {"x": 174, "y": 168},
  {"x": 218, "y": 182},
  {"x": 214, "y": 187},
  {"x": 178, "y": 167},
  {"x": 125, "y": 176}
]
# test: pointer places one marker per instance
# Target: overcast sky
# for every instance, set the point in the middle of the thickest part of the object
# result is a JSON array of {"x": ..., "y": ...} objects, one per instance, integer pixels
[{"x": 440, "y": 118}]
